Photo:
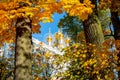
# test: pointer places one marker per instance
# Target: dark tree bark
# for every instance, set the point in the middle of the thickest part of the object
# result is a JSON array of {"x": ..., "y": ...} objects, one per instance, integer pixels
[
  {"x": 92, "y": 27},
  {"x": 23, "y": 50},
  {"x": 93, "y": 30},
  {"x": 116, "y": 24}
]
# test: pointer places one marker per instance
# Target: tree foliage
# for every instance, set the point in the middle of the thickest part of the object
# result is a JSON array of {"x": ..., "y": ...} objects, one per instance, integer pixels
[
  {"x": 114, "y": 5},
  {"x": 71, "y": 25},
  {"x": 85, "y": 61},
  {"x": 38, "y": 11},
  {"x": 89, "y": 62},
  {"x": 7, "y": 64}
]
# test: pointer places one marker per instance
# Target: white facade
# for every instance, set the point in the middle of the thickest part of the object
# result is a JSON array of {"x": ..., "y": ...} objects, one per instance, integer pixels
[
  {"x": 55, "y": 69},
  {"x": 1, "y": 51},
  {"x": 4, "y": 49},
  {"x": 42, "y": 45}
]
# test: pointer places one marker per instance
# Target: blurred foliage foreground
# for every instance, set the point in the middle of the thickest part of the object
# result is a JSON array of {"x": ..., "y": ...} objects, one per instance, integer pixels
[
  {"x": 80, "y": 61},
  {"x": 90, "y": 62}
]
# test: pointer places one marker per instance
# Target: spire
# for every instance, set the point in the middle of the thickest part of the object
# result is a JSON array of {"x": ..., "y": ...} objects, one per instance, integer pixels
[
  {"x": 49, "y": 38},
  {"x": 67, "y": 41},
  {"x": 60, "y": 30},
  {"x": 49, "y": 31}
]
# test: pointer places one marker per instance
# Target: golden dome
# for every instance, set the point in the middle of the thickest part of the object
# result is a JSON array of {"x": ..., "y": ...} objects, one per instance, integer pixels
[
  {"x": 67, "y": 40},
  {"x": 59, "y": 36},
  {"x": 49, "y": 39}
]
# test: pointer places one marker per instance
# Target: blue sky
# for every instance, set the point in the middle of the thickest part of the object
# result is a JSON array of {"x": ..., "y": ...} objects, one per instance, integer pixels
[{"x": 45, "y": 27}]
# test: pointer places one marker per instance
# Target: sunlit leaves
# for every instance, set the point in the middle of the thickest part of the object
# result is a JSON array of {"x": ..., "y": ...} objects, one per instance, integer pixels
[
  {"x": 117, "y": 42},
  {"x": 7, "y": 34},
  {"x": 7, "y": 67},
  {"x": 19, "y": 7},
  {"x": 89, "y": 62},
  {"x": 35, "y": 28},
  {"x": 40, "y": 11},
  {"x": 118, "y": 68},
  {"x": 44, "y": 64},
  {"x": 108, "y": 42},
  {"x": 114, "y": 5},
  {"x": 75, "y": 8}
]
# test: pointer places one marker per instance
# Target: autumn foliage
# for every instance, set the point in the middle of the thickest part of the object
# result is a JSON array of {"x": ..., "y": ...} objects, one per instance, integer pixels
[
  {"x": 83, "y": 60},
  {"x": 37, "y": 11},
  {"x": 90, "y": 62}
]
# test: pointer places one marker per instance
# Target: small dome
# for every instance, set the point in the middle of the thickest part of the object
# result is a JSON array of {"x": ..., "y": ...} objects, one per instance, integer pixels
[
  {"x": 49, "y": 39},
  {"x": 67, "y": 40},
  {"x": 59, "y": 35}
]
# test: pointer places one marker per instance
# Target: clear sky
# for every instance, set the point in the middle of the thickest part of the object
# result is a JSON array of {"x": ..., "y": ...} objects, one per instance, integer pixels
[{"x": 45, "y": 27}]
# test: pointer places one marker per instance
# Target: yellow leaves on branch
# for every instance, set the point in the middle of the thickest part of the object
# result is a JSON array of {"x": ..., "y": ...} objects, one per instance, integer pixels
[
  {"x": 114, "y": 5},
  {"x": 75, "y": 8},
  {"x": 95, "y": 61},
  {"x": 117, "y": 42},
  {"x": 7, "y": 30},
  {"x": 118, "y": 68},
  {"x": 7, "y": 35},
  {"x": 40, "y": 11},
  {"x": 109, "y": 42},
  {"x": 70, "y": 1},
  {"x": 89, "y": 62},
  {"x": 3, "y": 17},
  {"x": 35, "y": 28}
]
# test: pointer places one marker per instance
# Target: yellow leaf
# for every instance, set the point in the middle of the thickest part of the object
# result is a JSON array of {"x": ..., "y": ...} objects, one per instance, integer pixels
[
  {"x": 47, "y": 20},
  {"x": 118, "y": 68},
  {"x": 12, "y": 16}
]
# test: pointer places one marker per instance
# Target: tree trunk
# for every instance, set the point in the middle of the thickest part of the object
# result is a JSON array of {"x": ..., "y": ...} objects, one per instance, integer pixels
[
  {"x": 23, "y": 50},
  {"x": 92, "y": 27},
  {"x": 116, "y": 24},
  {"x": 93, "y": 30}
]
